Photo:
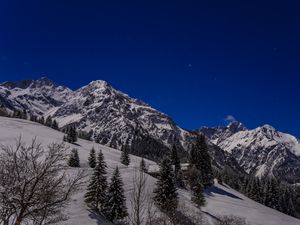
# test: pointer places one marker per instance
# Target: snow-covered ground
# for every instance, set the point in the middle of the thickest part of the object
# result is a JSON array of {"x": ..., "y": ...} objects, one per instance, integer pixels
[{"x": 221, "y": 200}]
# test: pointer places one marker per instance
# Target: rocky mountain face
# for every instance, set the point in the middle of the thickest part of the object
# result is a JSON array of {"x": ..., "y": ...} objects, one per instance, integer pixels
[
  {"x": 35, "y": 96},
  {"x": 115, "y": 118},
  {"x": 262, "y": 151}
]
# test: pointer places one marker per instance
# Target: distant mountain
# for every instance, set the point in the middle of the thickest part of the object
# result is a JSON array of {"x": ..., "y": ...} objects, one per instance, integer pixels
[
  {"x": 262, "y": 151},
  {"x": 35, "y": 96}
]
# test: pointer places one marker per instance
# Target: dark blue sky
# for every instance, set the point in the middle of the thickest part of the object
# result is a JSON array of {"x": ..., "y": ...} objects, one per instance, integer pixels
[{"x": 197, "y": 61}]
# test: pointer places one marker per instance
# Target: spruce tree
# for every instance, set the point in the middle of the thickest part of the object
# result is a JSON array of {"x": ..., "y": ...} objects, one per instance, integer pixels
[
  {"x": 24, "y": 115},
  {"x": 165, "y": 193},
  {"x": 65, "y": 138},
  {"x": 71, "y": 134},
  {"x": 55, "y": 125},
  {"x": 197, "y": 194},
  {"x": 48, "y": 121},
  {"x": 290, "y": 207},
  {"x": 42, "y": 120},
  {"x": 125, "y": 159},
  {"x": 283, "y": 201},
  {"x": 116, "y": 205},
  {"x": 177, "y": 167},
  {"x": 200, "y": 158},
  {"x": 74, "y": 158},
  {"x": 271, "y": 194},
  {"x": 96, "y": 194},
  {"x": 143, "y": 166},
  {"x": 92, "y": 158}
]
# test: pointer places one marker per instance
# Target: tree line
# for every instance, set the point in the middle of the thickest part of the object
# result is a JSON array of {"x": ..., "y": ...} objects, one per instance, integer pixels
[{"x": 268, "y": 191}]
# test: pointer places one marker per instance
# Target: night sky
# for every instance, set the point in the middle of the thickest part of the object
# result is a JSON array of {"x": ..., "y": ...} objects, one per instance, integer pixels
[{"x": 201, "y": 62}]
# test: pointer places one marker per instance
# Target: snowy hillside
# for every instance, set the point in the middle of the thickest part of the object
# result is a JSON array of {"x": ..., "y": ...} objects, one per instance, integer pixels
[
  {"x": 221, "y": 200},
  {"x": 261, "y": 151}
]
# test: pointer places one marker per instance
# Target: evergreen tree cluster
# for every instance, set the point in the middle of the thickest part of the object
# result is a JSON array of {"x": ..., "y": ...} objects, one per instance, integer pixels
[
  {"x": 267, "y": 191},
  {"x": 51, "y": 123},
  {"x": 196, "y": 186},
  {"x": 116, "y": 201},
  {"x": 21, "y": 114},
  {"x": 3, "y": 112},
  {"x": 92, "y": 158},
  {"x": 125, "y": 158},
  {"x": 200, "y": 160},
  {"x": 71, "y": 134},
  {"x": 165, "y": 192},
  {"x": 108, "y": 200},
  {"x": 175, "y": 160},
  {"x": 86, "y": 135},
  {"x": 74, "y": 160}
]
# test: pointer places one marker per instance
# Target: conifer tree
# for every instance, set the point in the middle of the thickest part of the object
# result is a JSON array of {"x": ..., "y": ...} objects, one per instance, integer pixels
[
  {"x": 197, "y": 194},
  {"x": 200, "y": 158},
  {"x": 96, "y": 194},
  {"x": 92, "y": 158},
  {"x": 48, "y": 121},
  {"x": 271, "y": 194},
  {"x": 55, "y": 125},
  {"x": 143, "y": 166},
  {"x": 3, "y": 111},
  {"x": 64, "y": 138},
  {"x": 24, "y": 115},
  {"x": 290, "y": 207},
  {"x": 71, "y": 134},
  {"x": 165, "y": 192},
  {"x": 177, "y": 167},
  {"x": 282, "y": 201},
  {"x": 74, "y": 158},
  {"x": 125, "y": 158},
  {"x": 42, "y": 120},
  {"x": 33, "y": 118},
  {"x": 116, "y": 205},
  {"x": 196, "y": 186}
]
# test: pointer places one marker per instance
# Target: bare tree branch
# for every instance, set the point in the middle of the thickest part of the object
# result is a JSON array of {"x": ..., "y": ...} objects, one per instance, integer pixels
[{"x": 34, "y": 183}]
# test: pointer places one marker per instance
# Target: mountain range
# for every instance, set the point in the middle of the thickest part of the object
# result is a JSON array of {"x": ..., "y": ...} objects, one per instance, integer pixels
[{"x": 117, "y": 119}]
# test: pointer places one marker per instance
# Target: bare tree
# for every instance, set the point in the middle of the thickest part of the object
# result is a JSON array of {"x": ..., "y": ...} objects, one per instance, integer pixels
[
  {"x": 34, "y": 183},
  {"x": 151, "y": 213},
  {"x": 139, "y": 198}
]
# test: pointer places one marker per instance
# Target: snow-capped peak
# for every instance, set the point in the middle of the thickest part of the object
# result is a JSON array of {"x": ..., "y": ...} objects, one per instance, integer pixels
[
  {"x": 236, "y": 126},
  {"x": 98, "y": 84},
  {"x": 268, "y": 127},
  {"x": 262, "y": 151}
]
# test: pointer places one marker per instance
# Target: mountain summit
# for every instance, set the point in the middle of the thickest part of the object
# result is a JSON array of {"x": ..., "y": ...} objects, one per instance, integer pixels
[{"x": 263, "y": 151}]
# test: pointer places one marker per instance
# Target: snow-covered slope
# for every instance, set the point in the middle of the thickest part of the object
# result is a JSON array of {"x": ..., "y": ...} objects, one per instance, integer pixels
[
  {"x": 261, "y": 151},
  {"x": 221, "y": 200}
]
